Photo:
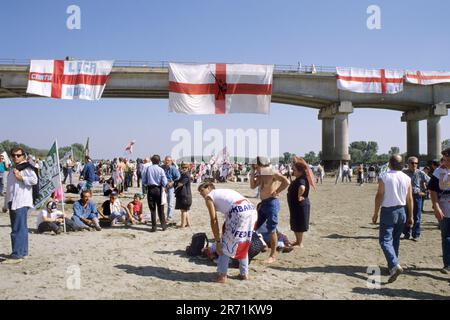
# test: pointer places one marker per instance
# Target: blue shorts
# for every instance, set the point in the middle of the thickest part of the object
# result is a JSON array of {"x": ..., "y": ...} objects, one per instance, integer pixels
[{"x": 268, "y": 212}]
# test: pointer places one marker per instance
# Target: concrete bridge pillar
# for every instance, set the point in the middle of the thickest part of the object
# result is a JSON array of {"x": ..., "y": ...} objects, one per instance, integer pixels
[
  {"x": 335, "y": 139},
  {"x": 341, "y": 137},
  {"x": 433, "y": 115},
  {"x": 327, "y": 138},
  {"x": 434, "y": 138},
  {"x": 412, "y": 138}
]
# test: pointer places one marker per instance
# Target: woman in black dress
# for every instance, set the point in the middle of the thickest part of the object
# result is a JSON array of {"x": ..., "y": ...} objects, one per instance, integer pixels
[
  {"x": 183, "y": 194},
  {"x": 298, "y": 201}
]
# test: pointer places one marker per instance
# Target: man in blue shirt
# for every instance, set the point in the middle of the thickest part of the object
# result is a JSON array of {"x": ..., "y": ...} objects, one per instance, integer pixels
[
  {"x": 172, "y": 175},
  {"x": 85, "y": 212},
  {"x": 88, "y": 174},
  {"x": 154, "y": 179},
  {"x": 419, "y": 181}
]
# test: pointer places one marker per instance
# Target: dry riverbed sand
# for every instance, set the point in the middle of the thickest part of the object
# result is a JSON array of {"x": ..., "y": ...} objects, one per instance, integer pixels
[{"x": 133, "y": 263}]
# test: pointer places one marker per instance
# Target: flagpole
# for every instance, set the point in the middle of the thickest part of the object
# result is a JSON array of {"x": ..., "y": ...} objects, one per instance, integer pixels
[{"x": 60, "y": 186}]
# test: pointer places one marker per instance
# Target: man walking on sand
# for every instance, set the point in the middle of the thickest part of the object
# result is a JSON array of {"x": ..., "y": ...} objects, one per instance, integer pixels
[
  {"x": 394, "y": 192},
  {"x": 271, "y": 184}
]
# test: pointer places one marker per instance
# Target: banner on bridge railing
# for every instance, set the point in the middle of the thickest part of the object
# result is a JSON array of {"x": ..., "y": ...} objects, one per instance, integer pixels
[{"x": 69, "y": 79}]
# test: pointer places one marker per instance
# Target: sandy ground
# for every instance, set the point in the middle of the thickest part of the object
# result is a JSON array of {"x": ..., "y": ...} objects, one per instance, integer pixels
[{"x": 133, "y": 263}]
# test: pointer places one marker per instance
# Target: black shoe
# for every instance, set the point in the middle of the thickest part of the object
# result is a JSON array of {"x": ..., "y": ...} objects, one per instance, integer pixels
[
  {"x": 164, "y": 227},
  {"x": 153, "y": 229}
]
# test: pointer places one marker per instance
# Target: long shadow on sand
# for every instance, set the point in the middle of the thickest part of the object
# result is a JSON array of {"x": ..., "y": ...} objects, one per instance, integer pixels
[
  {"x": 371, "y": 227},
  {"x": 182, "y": 253},
  {"x": 167, "y": 274},
  {"x": 400, "y": 293},
  {"x": 352, "y": 271},
  {"x": 339, "y": 236},
  {"x": 360, "y": 272}
]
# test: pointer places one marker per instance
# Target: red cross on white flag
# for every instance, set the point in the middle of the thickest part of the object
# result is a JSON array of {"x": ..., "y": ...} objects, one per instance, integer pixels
[
  {"x": 73, "y": 79},
  {"x": 370, "y": 81},
  {"x": 427, "y": 77},
  {"x": 220, "y": 88}
]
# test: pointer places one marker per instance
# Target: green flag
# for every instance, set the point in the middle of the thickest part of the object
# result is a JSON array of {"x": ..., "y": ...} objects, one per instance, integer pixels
[{"x": 49, "y": 177}]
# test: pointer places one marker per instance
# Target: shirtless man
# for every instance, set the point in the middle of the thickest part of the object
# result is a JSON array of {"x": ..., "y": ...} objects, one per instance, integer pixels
[{"x": 271, "y": 184}]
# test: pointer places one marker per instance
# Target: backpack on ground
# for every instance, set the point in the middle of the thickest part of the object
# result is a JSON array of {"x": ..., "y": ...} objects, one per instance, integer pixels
[
  {"x": 256, "y": 246},
  {"x": 198, "y": 242},
  {"x": 71, "y": 188}
]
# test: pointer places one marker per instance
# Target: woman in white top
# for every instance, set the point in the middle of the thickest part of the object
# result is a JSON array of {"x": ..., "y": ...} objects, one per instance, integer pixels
[{"x": 240, "y": 217}]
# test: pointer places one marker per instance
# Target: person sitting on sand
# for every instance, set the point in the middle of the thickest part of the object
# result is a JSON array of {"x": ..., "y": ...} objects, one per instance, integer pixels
[
  {"x": 283, "y": 244},
  {"x": 135, "y": 207},
  {"x": 114, "y": 211},
  {"x": 108, "y": 187},
  {"x": 51, "y": 219},
  {"x": 85, "y": 212},
  {"x": 240, "y": 217}
]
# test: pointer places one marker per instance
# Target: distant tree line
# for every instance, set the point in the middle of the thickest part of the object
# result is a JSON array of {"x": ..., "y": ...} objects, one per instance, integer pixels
[
  {"x": 360, "y": 152},
  {"x": 78, "y": 149}
]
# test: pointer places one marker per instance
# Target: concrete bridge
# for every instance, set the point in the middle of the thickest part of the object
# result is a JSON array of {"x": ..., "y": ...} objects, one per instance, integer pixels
[{"x": 293, "y": 85}]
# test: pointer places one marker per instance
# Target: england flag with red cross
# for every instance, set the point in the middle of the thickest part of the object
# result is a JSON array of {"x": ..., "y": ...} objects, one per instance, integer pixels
[
  {"x": 220, "y": 88},
  {"x": 69, "y": 79},
  {"x": 370, "y": 81},
  {"x": 427, "y": 77}
]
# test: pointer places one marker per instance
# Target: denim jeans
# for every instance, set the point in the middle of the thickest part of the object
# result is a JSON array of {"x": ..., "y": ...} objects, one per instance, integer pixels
[
  {"x": 268, "y": 212},
  {"x": 417, "y": 215},
  {"x": 392, "y": 223},
  {"x": 19, "y": 232},
  {"x": 69, "y": 174},
  {"x": 1, "y": 184},
  {"x": 224, "y": 260},
  {"x": 170, "y": 202},
  {"x": 445, "y": 233},
  {"x": 116, "y": 216},
  {"x": 80, "y": 224}
]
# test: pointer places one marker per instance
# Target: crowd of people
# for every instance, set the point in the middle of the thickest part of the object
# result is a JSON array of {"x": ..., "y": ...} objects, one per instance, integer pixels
[{"x": 167, "y": 187}]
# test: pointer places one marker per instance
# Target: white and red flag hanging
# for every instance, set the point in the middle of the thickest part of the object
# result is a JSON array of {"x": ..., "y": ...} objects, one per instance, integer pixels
[
  {"x": 220, "y": 88},
  {"x": 427, "y": 77},
  {"x": 129, "y": 147},
  {"x": 73, "y": 79},
  {"x": 370, "y": 81}
]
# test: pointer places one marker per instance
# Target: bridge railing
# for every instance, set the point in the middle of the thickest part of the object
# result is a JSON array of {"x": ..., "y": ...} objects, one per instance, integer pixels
[{"x": 299, "y": 68}]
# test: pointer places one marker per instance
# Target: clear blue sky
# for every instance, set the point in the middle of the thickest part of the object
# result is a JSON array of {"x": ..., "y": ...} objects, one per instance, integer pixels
[{"x": 414, "y": 34}]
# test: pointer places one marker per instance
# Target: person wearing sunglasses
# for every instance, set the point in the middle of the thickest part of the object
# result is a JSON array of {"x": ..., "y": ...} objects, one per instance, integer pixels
[
  {"x": 419, "y": 181},
  {"x": 19, "y": 199}
]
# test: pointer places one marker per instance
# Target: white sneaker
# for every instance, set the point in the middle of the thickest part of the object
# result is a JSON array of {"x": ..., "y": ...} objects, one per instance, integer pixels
[
  {"x": 394, "y": 273},
  {"x": 12, "y": 261}
]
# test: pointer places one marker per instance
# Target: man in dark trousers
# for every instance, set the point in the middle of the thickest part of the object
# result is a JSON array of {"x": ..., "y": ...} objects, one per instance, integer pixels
[{"x": 154, "y": 179}]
